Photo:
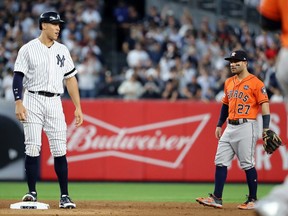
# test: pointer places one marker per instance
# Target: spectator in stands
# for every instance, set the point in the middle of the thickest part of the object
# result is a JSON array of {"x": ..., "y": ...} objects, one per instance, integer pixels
[
  {"x": 223, "y": 31},
  {"x": 269, "y": 79},
  {"x": 192, "y": 90},
  {"x": 171, "y": 92},
  {"x": 135, "y": 36},
  {"x": 207, "y": 28},
  {"x": 88, "y": 75},
  {"x": 7, "y": 85},
  {"x": 109, "y": 88},
  {"x": 91, "y": 15},
  {"x": 155, "y": 33},
  {"x": 263, "y": 40},
  {"x": 131, "y": 88},
  {"x": 206, "y": 81},
  {"x": 186, "y": 23},
  {"x": 93, "y": 47},
  {"x": 276, "y": 97},
  {"x": 138, "y": 57},
  {"x": 152, "y": 88},
  {"x": 167, "y": 61},
  {"x": 218, "y": 87},
  {"x": 185, "y": 75},
  {"x": 155, "y": 51},
  {"x": 189, "y": 53},
  {"x": 202, "y": 44},
  {"x": 40, "y": 6},
  {"x": 171, "y": 28},
  {"x": 217, "y": 56},
  {"x": 71, "y": 35},
  {"x": 27, "y": 25},
  {"x": 153, "y": 17}
]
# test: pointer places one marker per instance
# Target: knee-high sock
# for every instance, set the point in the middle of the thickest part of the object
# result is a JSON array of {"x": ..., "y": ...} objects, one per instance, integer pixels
[
  {"x": 61, "y": 169},
  {"x": 220, "y": 179},
  {"x": 252, "y": 181},
  {"x": 31, "y": 169}
]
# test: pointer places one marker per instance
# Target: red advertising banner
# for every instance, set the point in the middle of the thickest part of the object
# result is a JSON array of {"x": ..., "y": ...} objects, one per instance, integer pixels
[{"x": 156, "y": 141}]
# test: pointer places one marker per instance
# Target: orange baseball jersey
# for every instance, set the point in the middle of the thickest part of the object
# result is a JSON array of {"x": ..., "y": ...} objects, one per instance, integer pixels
[
  {"x": 277, "y": 10},
  {"x": 244, "y": 97}
]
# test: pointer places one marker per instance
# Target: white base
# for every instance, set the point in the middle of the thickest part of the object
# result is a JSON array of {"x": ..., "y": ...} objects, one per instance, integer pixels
[{"x": 29, "y": 205}]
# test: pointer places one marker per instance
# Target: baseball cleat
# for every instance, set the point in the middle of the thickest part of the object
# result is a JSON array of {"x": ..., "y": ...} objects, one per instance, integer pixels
[
  {"x": 66, "y": 202},
  {"x": 30, "y": 197},
  {"x": 248, "y": 205},
  {"x": 210, "y": 201}
]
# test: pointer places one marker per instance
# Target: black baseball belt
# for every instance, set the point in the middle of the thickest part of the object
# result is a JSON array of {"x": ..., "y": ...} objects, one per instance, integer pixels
[
  {"x": 237, "y": 121},
  {"x": 44, "y": 93}
]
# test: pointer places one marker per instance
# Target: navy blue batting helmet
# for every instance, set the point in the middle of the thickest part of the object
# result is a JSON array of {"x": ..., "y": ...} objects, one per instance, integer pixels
[{"x": 49, "y": 17}]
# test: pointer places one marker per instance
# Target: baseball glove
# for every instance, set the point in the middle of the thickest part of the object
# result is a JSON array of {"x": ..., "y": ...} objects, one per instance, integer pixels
[{"x": 271, "y": 141}]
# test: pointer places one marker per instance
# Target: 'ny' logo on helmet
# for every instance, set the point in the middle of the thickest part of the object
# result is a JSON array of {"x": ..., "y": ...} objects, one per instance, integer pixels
[
  {"x": 55, "y": 18},
  {"x": 233, "y": 54},
  {"x": 60, "y": 61}
]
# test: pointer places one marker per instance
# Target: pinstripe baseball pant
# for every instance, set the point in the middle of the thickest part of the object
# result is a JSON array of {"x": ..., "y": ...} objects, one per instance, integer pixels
[{"x": 44, "y": 113}]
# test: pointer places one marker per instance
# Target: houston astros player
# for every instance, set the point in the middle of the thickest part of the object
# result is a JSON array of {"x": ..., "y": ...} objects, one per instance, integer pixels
[
  {"x": 41, "y": 67},
  {"x": 244, "y": 93},
  {"x": 274, "y": 18}
]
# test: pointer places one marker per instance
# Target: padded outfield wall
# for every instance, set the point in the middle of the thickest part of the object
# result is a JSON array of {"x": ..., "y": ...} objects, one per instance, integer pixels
[{"x": 141, "y": 141}]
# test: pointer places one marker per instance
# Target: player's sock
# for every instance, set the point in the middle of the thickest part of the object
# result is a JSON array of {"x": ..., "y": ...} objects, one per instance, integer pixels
[
  {"x": 61, "y": 169},
  {"x": 251, "y": 177},
  {"x": 220, "y": 178},
  {"x": 31, "y": 169}
]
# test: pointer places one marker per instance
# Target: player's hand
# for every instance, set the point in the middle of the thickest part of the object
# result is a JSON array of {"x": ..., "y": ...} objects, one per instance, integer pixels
[
  {"x": 20, "y": 111},
  {"x": 218, "y": 132},
  {"x": 78, "y": 117}
]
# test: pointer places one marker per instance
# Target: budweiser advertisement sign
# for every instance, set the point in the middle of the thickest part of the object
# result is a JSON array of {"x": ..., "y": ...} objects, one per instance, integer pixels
[{"x": 155, "y": 141}]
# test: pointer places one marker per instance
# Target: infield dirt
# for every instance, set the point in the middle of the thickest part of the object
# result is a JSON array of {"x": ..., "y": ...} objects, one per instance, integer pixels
[{"x": 109, "y": 208}]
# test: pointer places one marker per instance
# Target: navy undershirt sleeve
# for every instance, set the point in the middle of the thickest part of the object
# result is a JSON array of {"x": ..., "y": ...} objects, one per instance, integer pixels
[
  {"x": 223, "y": 115},
  {"x": 17, "y": 85}
]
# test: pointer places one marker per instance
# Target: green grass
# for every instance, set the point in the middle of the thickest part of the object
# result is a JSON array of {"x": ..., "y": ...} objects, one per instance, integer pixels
[{"x": 155, "y": 192}]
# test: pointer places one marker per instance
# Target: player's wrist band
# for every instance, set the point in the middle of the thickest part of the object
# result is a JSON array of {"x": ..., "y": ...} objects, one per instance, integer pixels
[{"x": 266, "y": 120}]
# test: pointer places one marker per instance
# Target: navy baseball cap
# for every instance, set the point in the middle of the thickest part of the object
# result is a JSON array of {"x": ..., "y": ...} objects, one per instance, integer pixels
[{"x": 238, "y": 55}]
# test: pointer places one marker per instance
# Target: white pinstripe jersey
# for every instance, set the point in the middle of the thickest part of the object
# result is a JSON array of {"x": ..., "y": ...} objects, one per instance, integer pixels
[{"x": 44, "y": 68}]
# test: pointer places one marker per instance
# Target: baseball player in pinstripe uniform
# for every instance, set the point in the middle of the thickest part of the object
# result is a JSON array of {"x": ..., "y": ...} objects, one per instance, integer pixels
[
  {"x": 41, "y": 67},
  {"x": 244, "y": 94}
]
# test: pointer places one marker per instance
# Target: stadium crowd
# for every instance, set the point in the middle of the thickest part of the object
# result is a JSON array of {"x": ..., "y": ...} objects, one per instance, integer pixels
[{"x": 169, "y": 55}]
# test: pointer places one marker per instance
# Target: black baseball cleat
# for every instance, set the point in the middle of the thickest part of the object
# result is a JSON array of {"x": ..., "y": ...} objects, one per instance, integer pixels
[
  {"x": 30, "y": 197},
  {"x": 66, "y": 202}
]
